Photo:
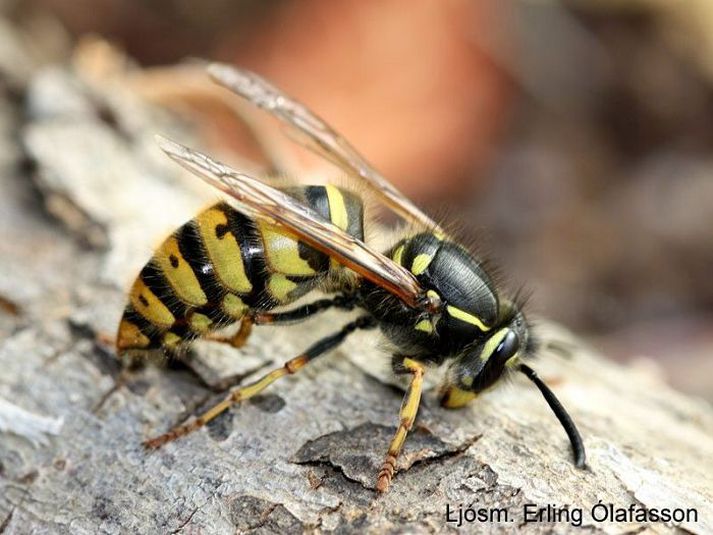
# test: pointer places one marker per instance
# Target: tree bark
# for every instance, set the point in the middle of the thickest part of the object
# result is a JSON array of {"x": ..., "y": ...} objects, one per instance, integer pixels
[{"x": 86, "y": 195}]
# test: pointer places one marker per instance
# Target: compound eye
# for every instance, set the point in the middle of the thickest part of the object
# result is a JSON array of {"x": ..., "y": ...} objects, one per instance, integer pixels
[{"x": 507, "y": 348}]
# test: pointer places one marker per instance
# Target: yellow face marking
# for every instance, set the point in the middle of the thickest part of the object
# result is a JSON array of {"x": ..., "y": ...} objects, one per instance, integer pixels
[
  {"x": 171, "y": 340},
  {"x": 462, "y": 315},
  {"x": 234, "y": 306},
  {"x": 337, "y": 207},
  {"x": 420, "y": 263},
  {"x": 282, "y": 251},
  {"x": 179, "y": 274},
  {"x": 492, "y": 344},
  {"x": 149, "y": 306},
  {"x": 200, "y": 323},
  {"x": 456, "y": 398},
  {"x": 223, "y": 250},
  {"x": 425, "y": 326},
  {"x": 398, "y": 254},
  {"x": 130, "y": 337},
  {"x": 280, "y": 287}
]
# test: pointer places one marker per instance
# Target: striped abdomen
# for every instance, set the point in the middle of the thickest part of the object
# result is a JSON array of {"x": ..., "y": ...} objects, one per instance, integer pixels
[{"x": 221, "y": 264}]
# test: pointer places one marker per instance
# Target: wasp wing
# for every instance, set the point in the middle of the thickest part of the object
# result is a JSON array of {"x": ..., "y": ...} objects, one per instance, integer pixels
[
  {"x": 261, "y": 201},
  {"x": 317, "y": 136}
]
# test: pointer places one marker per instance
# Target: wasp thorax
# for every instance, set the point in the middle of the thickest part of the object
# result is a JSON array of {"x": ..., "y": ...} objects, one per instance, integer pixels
[{"x": 468, "y": 304}]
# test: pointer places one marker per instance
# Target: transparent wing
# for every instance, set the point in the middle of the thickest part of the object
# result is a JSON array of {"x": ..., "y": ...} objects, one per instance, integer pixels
[
  {"x": 257, "y": 199},
  {"x": 316, "y": 135}
]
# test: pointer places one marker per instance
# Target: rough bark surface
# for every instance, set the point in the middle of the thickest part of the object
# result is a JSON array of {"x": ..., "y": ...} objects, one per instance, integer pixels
[{"x": 85, "y": 196}]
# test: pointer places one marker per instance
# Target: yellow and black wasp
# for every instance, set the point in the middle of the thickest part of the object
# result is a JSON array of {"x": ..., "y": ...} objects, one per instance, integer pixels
[{"x": 428, "y": 295}]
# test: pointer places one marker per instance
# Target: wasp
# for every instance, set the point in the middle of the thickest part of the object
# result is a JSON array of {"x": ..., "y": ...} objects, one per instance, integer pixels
[{"x": 248, "y": 259}]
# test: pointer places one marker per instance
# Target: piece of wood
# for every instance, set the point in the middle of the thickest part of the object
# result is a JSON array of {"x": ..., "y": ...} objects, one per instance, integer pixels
[{"x": 77, "y": 225}]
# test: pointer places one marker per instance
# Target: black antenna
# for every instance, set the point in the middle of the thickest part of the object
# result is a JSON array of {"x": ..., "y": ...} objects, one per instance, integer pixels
[{"x": 565, "y": 419}]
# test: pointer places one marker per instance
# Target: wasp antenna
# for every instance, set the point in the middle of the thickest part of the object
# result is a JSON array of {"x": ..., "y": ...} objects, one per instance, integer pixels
[{"x": 565, "y": 419}]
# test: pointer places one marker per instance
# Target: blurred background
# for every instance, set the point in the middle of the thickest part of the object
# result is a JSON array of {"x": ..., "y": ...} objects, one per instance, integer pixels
[{"x": 571, "y": 140}]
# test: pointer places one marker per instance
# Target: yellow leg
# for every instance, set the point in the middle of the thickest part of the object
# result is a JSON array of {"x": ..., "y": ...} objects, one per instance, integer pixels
[
  {"x": 407, "y": 415},
  {"x": 235, "y": 396},
  {"x": 240, "y": 337}
]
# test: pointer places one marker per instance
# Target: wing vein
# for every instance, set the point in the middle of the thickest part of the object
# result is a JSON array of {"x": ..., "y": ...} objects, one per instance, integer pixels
[
  {"x": 318, "y": 136},
  {"x": 257, "y": 199}
]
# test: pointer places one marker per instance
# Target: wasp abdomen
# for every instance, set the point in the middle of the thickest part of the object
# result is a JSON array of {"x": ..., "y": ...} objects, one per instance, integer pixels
[{"x": 221, "y": 264}]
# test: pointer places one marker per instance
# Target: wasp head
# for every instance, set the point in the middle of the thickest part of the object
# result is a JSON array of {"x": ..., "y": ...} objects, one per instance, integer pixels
[{"x": 482, "y": 363}]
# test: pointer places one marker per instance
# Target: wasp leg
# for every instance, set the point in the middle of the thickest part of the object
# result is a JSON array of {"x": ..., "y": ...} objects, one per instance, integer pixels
[
  {"x": 240, "y": 337},
  {"x": 341, "y": 302},
  {"x": 239, "y": 394},
  {"x": 289, "y": 316},
  {"x": 407, "y": 415}
]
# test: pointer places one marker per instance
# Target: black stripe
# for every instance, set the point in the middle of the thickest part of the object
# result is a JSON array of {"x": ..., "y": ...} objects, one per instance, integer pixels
[
  {"x": 183, "y": 330},
  {"x": 316, "y": 198},
  {"x": 317, "y": 260},
  {"x": 156, "y": 281},
  {"x": 147, "y": 328},
  {"x": 193, "y": 252},
  {"x": 216, "y": 314},
  {"x": 355, "y": 214},
  {"x": 252, "y": 250}
]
